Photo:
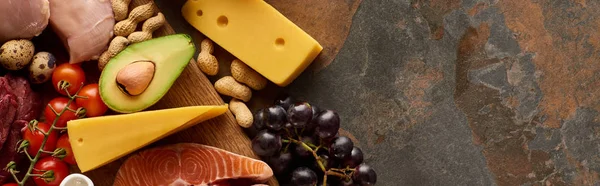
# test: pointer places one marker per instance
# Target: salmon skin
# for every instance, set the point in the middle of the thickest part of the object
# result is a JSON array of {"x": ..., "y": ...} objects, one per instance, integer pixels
[{"x": 188, "y": 164}]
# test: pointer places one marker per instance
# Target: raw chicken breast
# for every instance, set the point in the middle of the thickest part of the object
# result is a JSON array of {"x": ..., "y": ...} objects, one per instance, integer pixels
[
  {"x": 23, "y": 19},
  {"x": 84, "y": 26}
]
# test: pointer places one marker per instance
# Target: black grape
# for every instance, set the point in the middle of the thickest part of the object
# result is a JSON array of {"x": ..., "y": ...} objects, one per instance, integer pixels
[
  {"x": 315, "y": 111},
  {"x": 341, "y": 147},
  {"x": 289, "y": 129},
  {"x": 280, "y": 162},
  {"x": 328, "y": 124},
  {"x": 259, "y": 119},
  {"x": 312, "y": 125},
  {"x": 300, "y": 114},
  {"x": 355, "y": 158},
  {"x": 364, "y": 175},
  {"x": 276, "y": 118},
  {"x": 348, "y": 182},
  {"x": 251, "y": 131},
  {"x": 303, "y": 176},
  {"x": 285, "y": 101},
  {"x": 331, "y": 181},
  {"x": 266, "y": 143}
]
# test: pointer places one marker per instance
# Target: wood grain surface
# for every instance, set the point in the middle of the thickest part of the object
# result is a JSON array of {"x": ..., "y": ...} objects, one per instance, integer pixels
[
  {"x": 327, "y": 21},
  {"x": 191, "y": 88}
]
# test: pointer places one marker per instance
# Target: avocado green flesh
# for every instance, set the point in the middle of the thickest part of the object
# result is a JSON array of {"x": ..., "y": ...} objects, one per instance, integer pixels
[{"x": 170, "y": 54}]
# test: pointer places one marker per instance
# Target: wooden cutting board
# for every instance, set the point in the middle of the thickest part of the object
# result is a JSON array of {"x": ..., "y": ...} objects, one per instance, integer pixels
[
  {"x": 194, "y": 88},
  {"x": 191, "y": 88}
]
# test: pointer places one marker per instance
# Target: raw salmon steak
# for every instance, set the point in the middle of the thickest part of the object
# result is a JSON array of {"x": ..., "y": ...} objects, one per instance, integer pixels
[{"x": 189, "y": 164}]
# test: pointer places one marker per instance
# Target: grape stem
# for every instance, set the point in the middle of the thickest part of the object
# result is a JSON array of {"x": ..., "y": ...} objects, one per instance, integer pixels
[
  {"x": 342, "y": 173},
  {"x": 286, "y": 147},
  {"x": 37, "y": 157},
  {"x": 314, "y": 153},
  {"x": 333, "y": 173}
]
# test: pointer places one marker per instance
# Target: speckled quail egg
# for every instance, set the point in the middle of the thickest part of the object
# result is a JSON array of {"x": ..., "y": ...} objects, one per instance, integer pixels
[
  {"x": 16, "y": 54},
  {"x": 41, "y": 67}
]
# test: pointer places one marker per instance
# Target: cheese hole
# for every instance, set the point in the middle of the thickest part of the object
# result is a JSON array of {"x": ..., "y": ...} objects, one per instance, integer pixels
[
  {"x": 80, "y": 140},
  {"x": 199, "y": 13},
  {"x": 222, "y": 21},
  {"x": 279, "y": 42}
]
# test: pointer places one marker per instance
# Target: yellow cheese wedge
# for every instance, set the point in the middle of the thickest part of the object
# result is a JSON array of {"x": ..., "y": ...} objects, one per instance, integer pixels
[
  {"x": 101, "y": 140},
  {"x": 256, "y": 33}
]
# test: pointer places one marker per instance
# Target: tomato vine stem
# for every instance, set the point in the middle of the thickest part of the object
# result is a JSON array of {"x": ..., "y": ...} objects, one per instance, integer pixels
[{"x": 37, "y": 157}]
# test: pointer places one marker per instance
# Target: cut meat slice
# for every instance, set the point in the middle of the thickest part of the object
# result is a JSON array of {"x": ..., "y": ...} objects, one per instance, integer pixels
[
  {"x": 8, "y": 108},
  {"x": 8, "y": 153},
  {"x": 29, "y": 102},
  {"x": 189, "y": 164}
]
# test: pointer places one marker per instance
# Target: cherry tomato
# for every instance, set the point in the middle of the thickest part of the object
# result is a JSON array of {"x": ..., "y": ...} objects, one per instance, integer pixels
[
  {"x": 63, "y": 142},
  {"x": 69, "y": 73},
  {"x": 10, "y": 184},
  {"x": 36, "y": 137},
  {"x": 58, "y": 167},
  {"x": 93, "y": 104},
  {"x": 58, "y": 104}
]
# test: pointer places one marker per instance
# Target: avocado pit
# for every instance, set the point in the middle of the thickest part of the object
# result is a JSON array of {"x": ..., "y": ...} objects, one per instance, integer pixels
[{"x": 134, "y": 78}]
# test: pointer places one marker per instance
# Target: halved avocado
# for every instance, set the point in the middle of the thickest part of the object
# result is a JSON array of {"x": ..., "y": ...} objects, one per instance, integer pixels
[{"x": 169, "y": 56}]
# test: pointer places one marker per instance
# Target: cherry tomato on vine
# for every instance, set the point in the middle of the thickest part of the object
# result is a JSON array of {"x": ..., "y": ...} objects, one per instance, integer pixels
[
  {"x": 36, "y": 137},
  {"x": 93, "y": 104},
  {"x": 59, "y": 104},
  {"x": 63, "y": 142},
  {"x": 10, "y": 184},
  {"x": 73, "y": 74},
  {"x": 58, "y": 167}
]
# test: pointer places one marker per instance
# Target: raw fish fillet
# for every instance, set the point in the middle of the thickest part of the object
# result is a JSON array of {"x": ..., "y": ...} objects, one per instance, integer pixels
[
  {"x": 84, "y": 26},
  {"x": 188, "y": 164},
  {"x": 23, "y": 19}
]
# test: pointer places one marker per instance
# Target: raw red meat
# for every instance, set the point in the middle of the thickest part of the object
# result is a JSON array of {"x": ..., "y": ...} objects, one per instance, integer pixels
[
  {"x": 8, "y": 108},
  {"x": 5, "y": 87},
  {"x": 18, "y": 105},
  {"x": 8, "y": 153},
  {"x": 29, "y": 102},
  {"x": 189, "y": 164}
]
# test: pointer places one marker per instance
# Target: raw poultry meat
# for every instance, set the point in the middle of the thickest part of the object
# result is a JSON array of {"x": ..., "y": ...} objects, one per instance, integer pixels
[
  {"x": 23, "y": 19},
  {"x": 189, "y": 164},
  {"x": 85, "y": 27}
]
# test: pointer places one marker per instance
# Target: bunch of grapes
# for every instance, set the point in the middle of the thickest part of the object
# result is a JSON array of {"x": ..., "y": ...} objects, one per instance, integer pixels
[{"x": 301, "y": 144}]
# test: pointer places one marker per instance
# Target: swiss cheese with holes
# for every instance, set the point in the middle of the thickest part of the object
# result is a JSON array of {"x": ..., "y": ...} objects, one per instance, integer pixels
[{"x": 257, "y": 34}]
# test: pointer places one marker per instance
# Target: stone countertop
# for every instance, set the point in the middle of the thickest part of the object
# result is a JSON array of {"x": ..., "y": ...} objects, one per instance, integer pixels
[{"x": 465, "y": 92}]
